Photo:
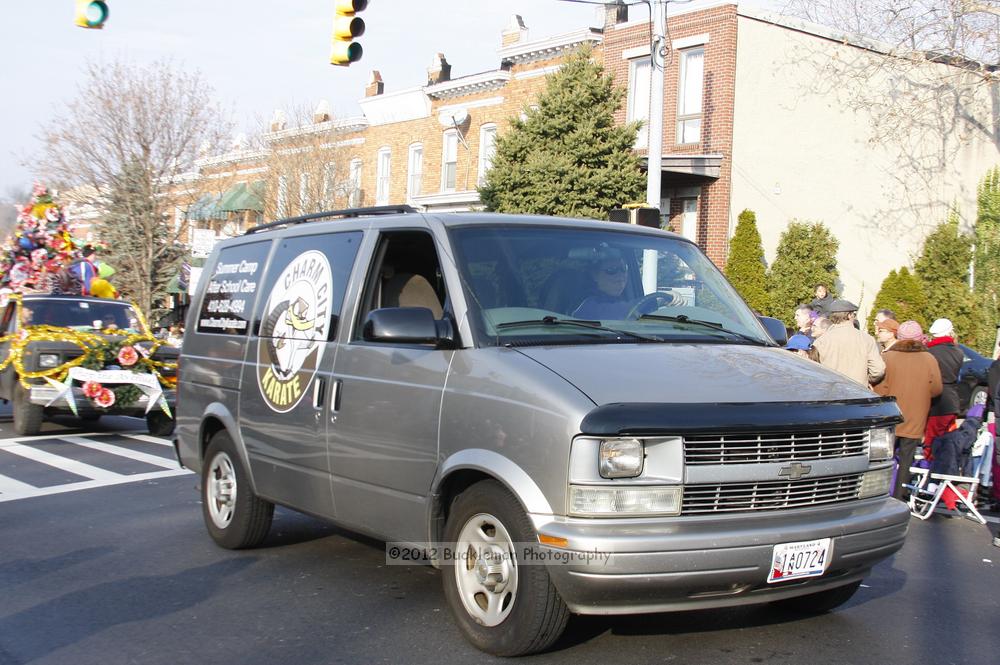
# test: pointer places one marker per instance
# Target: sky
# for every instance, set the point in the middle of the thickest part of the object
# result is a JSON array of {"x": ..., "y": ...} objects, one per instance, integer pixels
[{"x": 257, "y": 55}]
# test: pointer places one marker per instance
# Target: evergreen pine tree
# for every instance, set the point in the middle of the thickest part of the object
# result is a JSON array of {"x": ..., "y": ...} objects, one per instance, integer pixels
[
  {"x": 987, "y": 262},
  {"x": 806, "y": 256},
  {"x": 567, "y": 156},
  {"x": 903, "y": 294},
  {"x": 745, "y": 264},
  {"x": 943, "y": 269}
]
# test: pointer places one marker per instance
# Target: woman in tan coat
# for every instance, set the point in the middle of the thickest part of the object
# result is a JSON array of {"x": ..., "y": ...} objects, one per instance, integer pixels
[{"x": 913, "y": 377}]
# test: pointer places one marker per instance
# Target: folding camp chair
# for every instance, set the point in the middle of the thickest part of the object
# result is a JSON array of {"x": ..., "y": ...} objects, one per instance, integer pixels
[{"x": 927, "y": 490}]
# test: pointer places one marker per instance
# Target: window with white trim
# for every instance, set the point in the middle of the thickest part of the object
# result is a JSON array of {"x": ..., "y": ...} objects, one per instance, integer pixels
[
  {"x": 414, "y": 169},
  {"x": 382, "y": 168},
  {"x": 354, "y": 194},
  {"x": 449, "y": 161},
  {"x": 691, "y": 91},
  {"x": 304, "y": 198},
  {"x": 282, "y": 196},
  {"x": 487, "y": 149},
  {"x": 328, "y": 185},
  {"x": 638, "y": 98}
]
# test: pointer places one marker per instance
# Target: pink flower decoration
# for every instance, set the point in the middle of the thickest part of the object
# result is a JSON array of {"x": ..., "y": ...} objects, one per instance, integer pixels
[
  {"x": 105, "y": 398},
  {"x": 127, "y": 356},
  {"x": 92, "y": 389}
]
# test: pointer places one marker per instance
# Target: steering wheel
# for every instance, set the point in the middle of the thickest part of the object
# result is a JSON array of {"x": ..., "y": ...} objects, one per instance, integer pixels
[{"x": 657, "y": 298}]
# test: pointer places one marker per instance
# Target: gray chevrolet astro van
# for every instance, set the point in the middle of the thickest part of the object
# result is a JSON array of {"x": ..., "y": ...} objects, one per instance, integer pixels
[{"x": 563, "y": 415}]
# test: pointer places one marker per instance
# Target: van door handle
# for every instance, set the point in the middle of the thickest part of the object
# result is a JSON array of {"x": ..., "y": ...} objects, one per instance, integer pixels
[
  {"x": 335, "y": 388},
  {"x": 319, "y": 387}
]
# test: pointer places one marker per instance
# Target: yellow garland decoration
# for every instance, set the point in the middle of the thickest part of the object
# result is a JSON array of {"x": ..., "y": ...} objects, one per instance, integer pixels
[{"x": 89, "y": 342}]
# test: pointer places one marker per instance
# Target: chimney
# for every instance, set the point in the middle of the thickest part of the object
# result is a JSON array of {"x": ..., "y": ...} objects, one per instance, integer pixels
[
  {"x": 440, "y": 70},
  {"x": 322, "y": 112},
  {"x": 375, "y": 85},
  {"x": 514, "y": 32},
  {"x": 278, "y": 121},
  {"x": 615, "y": 13}
]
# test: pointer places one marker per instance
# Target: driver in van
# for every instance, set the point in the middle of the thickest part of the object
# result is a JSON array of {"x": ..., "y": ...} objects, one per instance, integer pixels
[{"x": 609, "y": 273}]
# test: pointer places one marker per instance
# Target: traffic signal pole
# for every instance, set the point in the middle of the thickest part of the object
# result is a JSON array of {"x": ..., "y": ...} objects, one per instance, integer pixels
[{"x": 654, "y": 152}]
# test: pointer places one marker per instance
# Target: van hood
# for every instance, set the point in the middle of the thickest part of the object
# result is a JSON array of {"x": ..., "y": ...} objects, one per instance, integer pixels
[{"x": 694, "y": 374}]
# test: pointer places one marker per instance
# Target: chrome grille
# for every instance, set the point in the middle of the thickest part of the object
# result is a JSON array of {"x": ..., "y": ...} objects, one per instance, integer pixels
[
  {"x": 773, "y": 447},
  {"x": 769, "y": 494}
]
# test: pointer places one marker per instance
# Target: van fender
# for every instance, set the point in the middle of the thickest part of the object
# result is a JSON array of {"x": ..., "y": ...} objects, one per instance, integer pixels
[
  {"x": 221, "y": 412},
  {"x": 497, "y": 466}
]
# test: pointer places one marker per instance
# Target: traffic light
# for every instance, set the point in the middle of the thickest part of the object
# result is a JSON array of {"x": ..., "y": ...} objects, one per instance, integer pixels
[
  {"x": 346, "y": 26},
  {"x": 91, "y": 14}
]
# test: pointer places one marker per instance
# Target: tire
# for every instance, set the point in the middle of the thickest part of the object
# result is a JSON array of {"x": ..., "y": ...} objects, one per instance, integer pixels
[
  {"x": 28, "y": 417},
  {"x": 523, "y": 612},
  {"x": 159, "y": 424},
  {"x": 235, "y": 517},
  {"x": 978, "y": 396},
  {"x": 819, "y": 603}
]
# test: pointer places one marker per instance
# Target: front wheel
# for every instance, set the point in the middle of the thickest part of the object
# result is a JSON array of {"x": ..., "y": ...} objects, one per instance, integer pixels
[
  {"x": 819, "y": 603},
  {"x": 502, "y": 606},
  {"x": 236, "y": 518},
  {"x": 28, "y": 417}
]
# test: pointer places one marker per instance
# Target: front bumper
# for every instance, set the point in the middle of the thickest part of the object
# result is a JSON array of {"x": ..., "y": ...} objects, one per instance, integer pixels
[
  {"x": 659, "y": 565},
  {"x": 42, "y": 395}
]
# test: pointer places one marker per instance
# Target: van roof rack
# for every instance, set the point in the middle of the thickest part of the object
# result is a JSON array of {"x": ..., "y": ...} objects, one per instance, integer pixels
[{"x": 346, "y": 212}]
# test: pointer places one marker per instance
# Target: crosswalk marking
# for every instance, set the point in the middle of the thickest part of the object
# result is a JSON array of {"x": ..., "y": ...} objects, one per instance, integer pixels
[
  {"x": 64, "y": 463},
  {"x": 12, "y": 489},
  {"x": 11, "y": 486},
  {"x": 149, "y": 439},
  {"x": 120, "y": 451}
]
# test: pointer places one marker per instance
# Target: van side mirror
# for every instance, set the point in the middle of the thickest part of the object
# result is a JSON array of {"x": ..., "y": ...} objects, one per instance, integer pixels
[
  {"x": 774, "y": 328},
  {"x": 407, "y": 325}
]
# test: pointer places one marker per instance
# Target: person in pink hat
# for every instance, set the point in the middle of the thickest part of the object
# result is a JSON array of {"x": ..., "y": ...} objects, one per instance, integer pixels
[{"x": 912, "y": 376}]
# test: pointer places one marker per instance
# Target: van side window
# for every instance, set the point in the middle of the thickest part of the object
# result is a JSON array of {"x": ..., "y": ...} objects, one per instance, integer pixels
[
  {"x": 405, "y": 273},
  {"x": 8, "y": 324},
  {"x": 232, "y": 288},
  {"x": 303, "y": 292}
]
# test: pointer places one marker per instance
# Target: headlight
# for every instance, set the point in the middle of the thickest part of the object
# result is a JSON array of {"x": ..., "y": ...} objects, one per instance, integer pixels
[
  {"x": 875, "y": 483},
  {"x": 881, "y": 441},
  {"x": 621, "y": 458},
  {"x": 635, "y": 501},
  {"x": 48, "y": 360}
]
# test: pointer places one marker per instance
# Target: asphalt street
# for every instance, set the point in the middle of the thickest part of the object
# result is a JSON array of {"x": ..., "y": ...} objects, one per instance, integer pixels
[{"x": 125, "y": 573}]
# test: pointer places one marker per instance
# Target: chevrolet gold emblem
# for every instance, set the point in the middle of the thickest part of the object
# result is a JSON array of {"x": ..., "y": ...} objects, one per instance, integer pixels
[{"x": 795, "y": 470}]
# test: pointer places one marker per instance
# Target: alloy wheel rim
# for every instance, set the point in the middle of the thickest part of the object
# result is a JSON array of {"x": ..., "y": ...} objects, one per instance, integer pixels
[
  {"x": 486, "y": 569},
  {"x": 221, "y": 491}
]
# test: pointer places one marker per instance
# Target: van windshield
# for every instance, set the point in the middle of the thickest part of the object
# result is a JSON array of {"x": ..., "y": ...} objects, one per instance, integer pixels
[{"x": 559, "y": 285}]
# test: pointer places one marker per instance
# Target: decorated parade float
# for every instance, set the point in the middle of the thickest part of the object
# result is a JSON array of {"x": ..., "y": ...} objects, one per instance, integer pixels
[{"x": 67, "y": 344}]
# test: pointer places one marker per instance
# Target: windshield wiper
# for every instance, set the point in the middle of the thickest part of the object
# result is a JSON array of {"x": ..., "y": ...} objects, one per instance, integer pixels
[
  {"x": 683, "y": 318},
  {"x": 579, "y": 323}
]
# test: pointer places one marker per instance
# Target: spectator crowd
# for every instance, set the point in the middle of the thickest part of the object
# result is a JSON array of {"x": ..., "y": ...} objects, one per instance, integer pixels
[{"x": 920, "y": 370}]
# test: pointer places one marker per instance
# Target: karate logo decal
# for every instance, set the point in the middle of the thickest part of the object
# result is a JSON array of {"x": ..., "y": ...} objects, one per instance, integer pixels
[{"x": 293, "y": 331}]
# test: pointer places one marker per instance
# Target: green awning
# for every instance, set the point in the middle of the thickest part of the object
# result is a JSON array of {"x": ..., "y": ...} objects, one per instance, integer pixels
[
  {"x": 206, "y": 208},
  {"x": 243, "y": 197},
  {"x": 173, "y": 286}
]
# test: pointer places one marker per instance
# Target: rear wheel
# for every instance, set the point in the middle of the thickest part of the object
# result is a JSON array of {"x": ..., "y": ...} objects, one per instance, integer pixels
[
  {"x": 819, "y": 603},
  {"x": 503, "y": 606},
  {"x": 979, "y": 396},
  {"x": 236, "y": 518},
  {"x": 159, "y": 424},
  {"x": 28, "y": 417}
]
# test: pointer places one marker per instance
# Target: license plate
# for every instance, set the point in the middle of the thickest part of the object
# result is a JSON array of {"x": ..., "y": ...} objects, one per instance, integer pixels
[{"x": 794, "y": 561}]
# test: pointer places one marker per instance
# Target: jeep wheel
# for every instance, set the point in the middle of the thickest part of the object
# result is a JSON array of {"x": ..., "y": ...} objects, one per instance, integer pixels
[
  {"x": 159, "y": 424},
  {"x": 27, "y": 416},
  {"x": 819, "y": 603},
  {"x": 235, "y": 517},
  {"x": 978, "y": 396},
  {"x": 502, "y": 606}
]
